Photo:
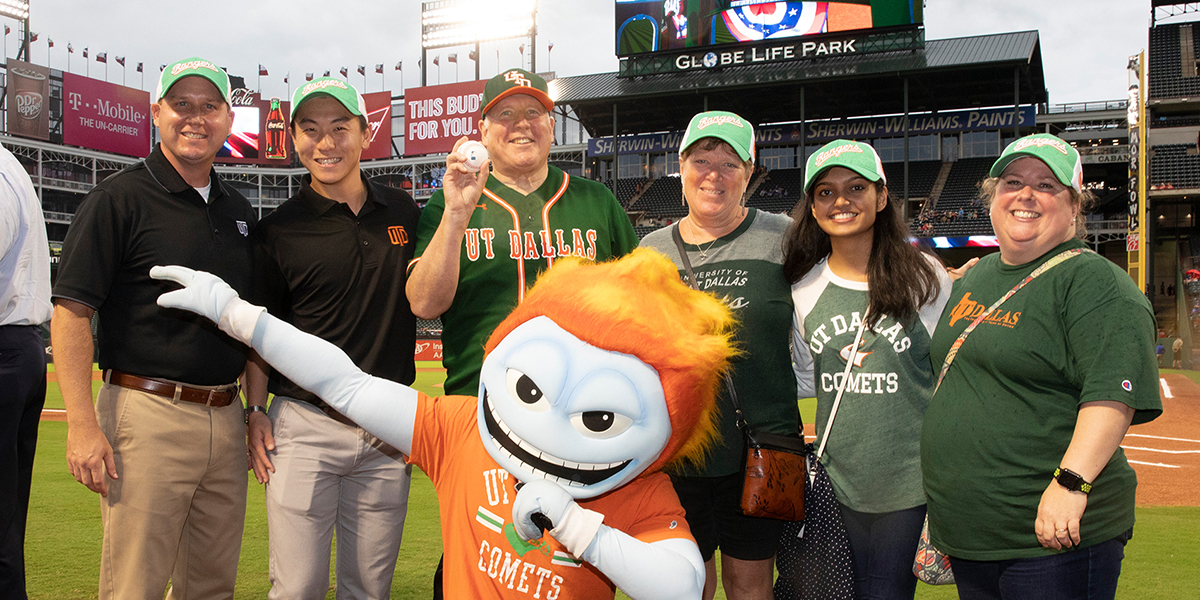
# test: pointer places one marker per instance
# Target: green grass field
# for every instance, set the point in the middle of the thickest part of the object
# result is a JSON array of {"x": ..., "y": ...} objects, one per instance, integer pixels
[{"x": 64, "y": 531}]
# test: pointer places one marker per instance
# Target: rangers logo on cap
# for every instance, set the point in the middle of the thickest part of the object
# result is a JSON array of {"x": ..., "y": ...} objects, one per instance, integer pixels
[
  {"x": 836, "y": 152},
  {"x": 1039, "y": 142},
  {"x": 320, "y": 85},
  {"x": 194, "y": 64},
  {"x": 719, "y": 120}
]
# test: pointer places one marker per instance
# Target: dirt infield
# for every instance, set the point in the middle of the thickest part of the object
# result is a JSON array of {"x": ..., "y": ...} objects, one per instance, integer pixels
[{"x": 1166, "y": 452}]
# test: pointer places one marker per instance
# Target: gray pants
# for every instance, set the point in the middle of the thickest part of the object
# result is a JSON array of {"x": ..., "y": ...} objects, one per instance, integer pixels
[{"x": 332, "y": 475}]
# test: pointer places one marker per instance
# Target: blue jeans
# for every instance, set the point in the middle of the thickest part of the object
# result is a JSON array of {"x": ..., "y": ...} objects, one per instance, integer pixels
[
  {"x": 1086, "y": 574},
  {"x": 883, "y": 546}
]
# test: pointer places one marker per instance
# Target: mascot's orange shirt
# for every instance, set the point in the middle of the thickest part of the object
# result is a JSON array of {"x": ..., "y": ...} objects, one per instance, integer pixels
[{"x": 484, "y": 556}]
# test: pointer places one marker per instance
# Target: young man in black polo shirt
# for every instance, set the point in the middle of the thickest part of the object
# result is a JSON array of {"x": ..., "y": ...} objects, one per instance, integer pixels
[
  {"x": 338, "y": 251},
  {"x": 165, "y": 445}
]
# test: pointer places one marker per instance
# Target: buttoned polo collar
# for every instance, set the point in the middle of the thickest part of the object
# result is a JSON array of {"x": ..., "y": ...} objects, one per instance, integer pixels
[
  {"x": 319, "y": 205},
  {"x": 165, "y": 174}
]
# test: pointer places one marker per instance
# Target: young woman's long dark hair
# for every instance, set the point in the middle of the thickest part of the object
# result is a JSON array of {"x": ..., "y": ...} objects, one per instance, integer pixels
[{"x": 900, "y": 278}]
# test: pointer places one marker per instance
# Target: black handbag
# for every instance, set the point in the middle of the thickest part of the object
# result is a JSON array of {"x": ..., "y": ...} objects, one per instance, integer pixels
[{"x": 814, "y": 559}]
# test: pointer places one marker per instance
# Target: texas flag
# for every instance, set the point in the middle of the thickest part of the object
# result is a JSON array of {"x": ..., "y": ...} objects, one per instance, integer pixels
[{"x": 776, "y": 20}]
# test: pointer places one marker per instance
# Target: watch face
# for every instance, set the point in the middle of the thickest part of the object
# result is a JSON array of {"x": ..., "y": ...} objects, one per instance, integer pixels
[{"x": 1072, "y": 481}]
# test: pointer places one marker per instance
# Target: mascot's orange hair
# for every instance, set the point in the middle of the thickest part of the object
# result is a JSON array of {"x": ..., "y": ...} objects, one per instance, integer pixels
[{"x": 638, "y": 306}]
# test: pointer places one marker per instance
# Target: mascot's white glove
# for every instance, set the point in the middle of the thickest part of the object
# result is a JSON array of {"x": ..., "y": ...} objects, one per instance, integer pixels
[
  {"x": 670, "y": 569},
  {"x": 572, "y": 525},
  {"x": 209, "y": 296}
]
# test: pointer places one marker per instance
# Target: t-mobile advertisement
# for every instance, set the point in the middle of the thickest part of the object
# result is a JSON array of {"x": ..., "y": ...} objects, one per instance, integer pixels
[
  {"x": 379, "y": 122},
  {"x": 436, "y": 116},
  {"x": 28, "y": 100},
  {"x": 105, "y": 116}
]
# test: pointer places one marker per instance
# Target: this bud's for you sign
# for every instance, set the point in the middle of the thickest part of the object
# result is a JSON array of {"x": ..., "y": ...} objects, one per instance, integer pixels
[
  {"x": 105, "y": 116},
  {"x": 436, "y": 116}
]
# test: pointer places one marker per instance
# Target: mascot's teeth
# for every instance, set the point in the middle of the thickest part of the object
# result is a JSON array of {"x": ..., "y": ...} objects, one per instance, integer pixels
[{"x": 512, "y": 443}]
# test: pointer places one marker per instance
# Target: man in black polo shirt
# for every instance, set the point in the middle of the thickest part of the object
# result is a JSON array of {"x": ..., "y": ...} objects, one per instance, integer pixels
[
  {"x": 338, "y": 251},
  {"x": 165, "y": 444}
]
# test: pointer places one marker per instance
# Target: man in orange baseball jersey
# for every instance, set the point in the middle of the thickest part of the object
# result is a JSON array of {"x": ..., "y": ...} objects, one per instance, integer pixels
[{"x": 337, "y": 254}]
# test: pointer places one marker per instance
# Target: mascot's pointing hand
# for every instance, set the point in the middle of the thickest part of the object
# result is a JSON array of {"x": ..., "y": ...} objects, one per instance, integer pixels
[
  {"x": 573, "y": 526},
  {"x": 209, "y": 296}
]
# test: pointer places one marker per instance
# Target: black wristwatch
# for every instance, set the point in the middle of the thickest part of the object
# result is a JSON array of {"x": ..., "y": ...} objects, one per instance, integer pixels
[
  {"x": 253, "y": 408},
  {"x": 1071, "y": 480}
]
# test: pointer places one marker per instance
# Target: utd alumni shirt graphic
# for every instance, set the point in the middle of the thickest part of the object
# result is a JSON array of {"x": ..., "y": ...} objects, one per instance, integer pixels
[{"x": 969, "y": 309}]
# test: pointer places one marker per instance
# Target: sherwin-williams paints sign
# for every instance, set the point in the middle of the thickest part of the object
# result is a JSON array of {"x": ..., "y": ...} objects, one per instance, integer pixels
[{"x": 105, "y": 116}]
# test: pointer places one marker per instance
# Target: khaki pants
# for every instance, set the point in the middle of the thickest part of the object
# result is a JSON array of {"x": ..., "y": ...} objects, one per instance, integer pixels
[
  {"x": 330, "y": 475},
  {"x": 177, "y": 509}
]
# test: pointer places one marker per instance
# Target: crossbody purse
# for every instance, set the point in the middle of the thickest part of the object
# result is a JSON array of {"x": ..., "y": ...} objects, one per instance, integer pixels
[{"x": 773, "y": 485}]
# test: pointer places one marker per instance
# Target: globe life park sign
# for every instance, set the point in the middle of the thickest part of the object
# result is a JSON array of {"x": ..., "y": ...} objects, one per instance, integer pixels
[{"x": 789, "y": 49}]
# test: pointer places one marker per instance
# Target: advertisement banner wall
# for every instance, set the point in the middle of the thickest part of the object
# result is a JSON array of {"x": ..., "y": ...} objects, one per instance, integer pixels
[
  {"x": 28, "y": 97},
  {"x": 379, "y": 122},
  {"x": 436, "y": 116},
  {"x": 820, "y": 131},
  {"x": 261, "y": 134},
  {"x": 105, "y": 116}
]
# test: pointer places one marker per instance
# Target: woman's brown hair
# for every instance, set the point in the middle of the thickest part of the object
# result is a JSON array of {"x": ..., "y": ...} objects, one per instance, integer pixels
[{"x": 900, "y": 277}]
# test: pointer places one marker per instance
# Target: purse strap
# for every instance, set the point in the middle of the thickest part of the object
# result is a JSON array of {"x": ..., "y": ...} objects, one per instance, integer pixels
[
  {"x": 687, "y": 267},
  {"x": 741, "y": 421},
  {"x": 962, "y": 337},
  {"x": 837, "y": 400}
]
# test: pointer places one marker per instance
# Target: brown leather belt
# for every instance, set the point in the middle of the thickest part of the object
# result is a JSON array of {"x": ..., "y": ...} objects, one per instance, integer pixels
[
  {"x": 335, "y": 415},
  {"x": 218, "y": 397}
]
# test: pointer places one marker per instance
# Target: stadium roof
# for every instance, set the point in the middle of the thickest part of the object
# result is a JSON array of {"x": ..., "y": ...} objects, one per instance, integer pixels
[{"x": 948, "y": 74}]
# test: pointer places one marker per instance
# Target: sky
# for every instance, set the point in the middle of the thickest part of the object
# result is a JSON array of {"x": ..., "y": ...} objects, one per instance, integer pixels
[{"x": 1085, "y": 43}]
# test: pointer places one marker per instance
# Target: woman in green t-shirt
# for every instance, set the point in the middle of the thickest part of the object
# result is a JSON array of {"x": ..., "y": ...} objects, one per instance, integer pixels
[
  {"x": 1029, "y": 492},
  {"x": 849, "y": 261}
]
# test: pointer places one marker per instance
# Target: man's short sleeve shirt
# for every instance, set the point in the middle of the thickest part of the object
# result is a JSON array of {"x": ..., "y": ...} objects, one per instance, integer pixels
[{"x": 143, "y": 216}]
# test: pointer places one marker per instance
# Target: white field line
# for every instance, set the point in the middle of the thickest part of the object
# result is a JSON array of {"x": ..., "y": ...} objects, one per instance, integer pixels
[
  {"x": 1161, "y": 450},
  {"x": 1166, "y": 389},
  {"x": 1138, "y": 462},
  {"x": 53, "y": 410},
  {"x": 1159, "y": 437}
]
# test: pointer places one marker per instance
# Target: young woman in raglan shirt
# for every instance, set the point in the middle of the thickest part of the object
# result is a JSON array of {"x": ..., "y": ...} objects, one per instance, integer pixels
[{"x": 849, "y": 260}]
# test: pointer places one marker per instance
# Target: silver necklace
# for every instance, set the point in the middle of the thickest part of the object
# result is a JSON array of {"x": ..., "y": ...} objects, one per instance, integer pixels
[{"x": 703, "y": 250}]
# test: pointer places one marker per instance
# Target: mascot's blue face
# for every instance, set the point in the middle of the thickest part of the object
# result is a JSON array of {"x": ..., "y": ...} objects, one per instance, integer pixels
[{"x": 554, "y": 407}]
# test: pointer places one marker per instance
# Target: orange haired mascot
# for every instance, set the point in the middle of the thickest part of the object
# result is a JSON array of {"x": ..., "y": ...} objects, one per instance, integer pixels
[{"x": 603, "y": 375}]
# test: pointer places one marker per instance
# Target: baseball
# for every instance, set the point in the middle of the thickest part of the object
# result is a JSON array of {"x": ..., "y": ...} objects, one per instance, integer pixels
[{"x": 474, "y": 153}]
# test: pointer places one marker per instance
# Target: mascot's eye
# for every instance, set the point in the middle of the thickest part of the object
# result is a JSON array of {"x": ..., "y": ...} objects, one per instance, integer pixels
[
  {"x": 521, "y": 387},
  {"x": 600, "y": 424}
]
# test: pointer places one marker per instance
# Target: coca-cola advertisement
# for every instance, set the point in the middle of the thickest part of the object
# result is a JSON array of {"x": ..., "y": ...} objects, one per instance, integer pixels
[
  {"x": 260, "y": 131},
  {"x": 28, "y": 98},
  {"x": 105, "y": 116},
  {"x": 379, "y": 122},
  {"x": 436, "y": 116}
]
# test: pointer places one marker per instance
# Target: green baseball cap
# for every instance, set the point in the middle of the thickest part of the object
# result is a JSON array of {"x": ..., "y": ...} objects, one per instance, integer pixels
[
  {"x": 1062, "y": 158},
  {"x": 515, "y": 81},
  {"x": 856, "y": 156},
  {"x": 725, "y": 126},
  {"x": 336, "y": 88},
  {"x": 192, "y": 67}
]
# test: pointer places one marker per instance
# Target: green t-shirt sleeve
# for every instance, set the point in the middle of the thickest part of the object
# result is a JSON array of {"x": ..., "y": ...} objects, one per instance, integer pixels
[
  {"x": 1114, "y": 357},
  {"x": 1111, "y": 338}
]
